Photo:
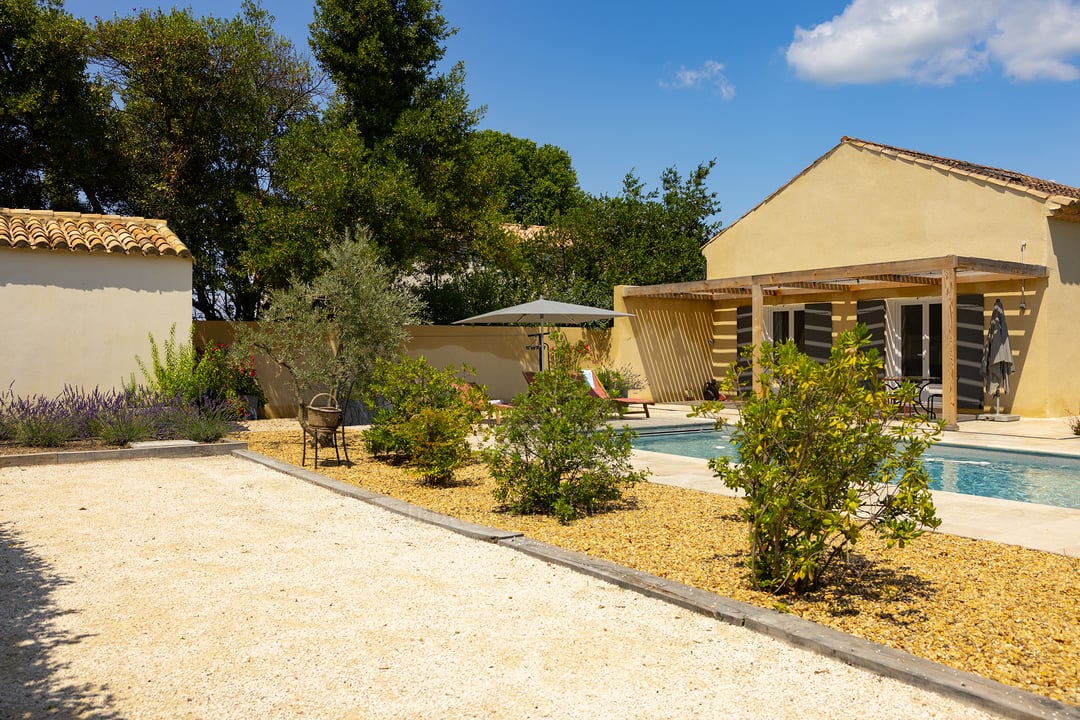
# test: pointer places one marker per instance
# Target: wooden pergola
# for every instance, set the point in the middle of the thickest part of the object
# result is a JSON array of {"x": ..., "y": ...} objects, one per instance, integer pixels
[{"x": 875, "y": 279}]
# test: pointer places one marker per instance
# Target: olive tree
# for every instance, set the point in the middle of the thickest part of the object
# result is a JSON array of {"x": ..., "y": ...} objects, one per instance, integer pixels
[
  {"x": 824, "y": 454},
  {"x": 329, "y": 333}
]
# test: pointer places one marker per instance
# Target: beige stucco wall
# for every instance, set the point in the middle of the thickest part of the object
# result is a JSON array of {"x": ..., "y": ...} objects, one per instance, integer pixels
[
  {"x": 669, "y": 342},
  {"x": 855, "y": 206},
  {"x": 81, "y": 319},
  {"x": 1054, "y": 322},
  {"x": 497, "y": 354}
]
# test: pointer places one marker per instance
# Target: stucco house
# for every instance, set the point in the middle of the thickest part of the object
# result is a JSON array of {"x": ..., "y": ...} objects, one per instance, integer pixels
[
  {"x": 82, "y": 293},
  {"x": 918, "y": 247}
]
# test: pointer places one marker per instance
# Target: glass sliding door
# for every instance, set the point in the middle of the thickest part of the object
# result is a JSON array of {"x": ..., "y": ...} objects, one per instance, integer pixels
[{"x": 920, "y": 338}]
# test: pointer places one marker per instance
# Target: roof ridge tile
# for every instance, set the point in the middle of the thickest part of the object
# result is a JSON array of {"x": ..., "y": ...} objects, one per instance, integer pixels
[
  {"x": 1036, "y": 186},
  {"x": 56, "y": 230}
]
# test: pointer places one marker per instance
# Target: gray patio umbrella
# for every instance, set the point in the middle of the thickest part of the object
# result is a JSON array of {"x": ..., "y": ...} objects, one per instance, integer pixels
[
  {"x": 542, "y": 312},
  {"x": 997, "y": 362}
]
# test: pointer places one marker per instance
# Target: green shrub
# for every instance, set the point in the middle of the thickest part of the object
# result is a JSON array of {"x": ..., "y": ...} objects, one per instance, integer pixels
[
  {"x": 224, "y": 377},
  {"x": 619, "y": 382},
  {"x": 824, "y": 454},
  {"x": 439, "y": 442},
  {"x": 171, "y": 372},
  {"x": 44, "y": 431},
  {"x": 206, "y": 422},
  {"x": 554, "y": 452},
  {"x": 423, "y": 415}
]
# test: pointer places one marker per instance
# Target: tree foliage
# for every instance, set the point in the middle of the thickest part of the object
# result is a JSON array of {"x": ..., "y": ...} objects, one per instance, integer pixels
[
  {"x": 404, "y": 130},
  {"x": 824, "y": 455},
  {"x": 331, "y": 332},
  {"x": 381, "y": 54},
  {"x": 219, "y": 127},
  {"x": 58, "y": 146},
  {"x": 200, "y": 102},
  {"x": 639, "y": 237},
  {"x": 535, "y": 184},
  {"x": 554, "y": 452}
]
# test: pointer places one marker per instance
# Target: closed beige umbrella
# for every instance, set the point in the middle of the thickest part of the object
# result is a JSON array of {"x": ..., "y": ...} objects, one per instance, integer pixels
[{"x": 997, "y": 362}]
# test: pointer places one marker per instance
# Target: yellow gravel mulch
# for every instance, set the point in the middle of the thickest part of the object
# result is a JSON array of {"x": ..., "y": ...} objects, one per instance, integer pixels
[{"x": 1000, "y": 611}]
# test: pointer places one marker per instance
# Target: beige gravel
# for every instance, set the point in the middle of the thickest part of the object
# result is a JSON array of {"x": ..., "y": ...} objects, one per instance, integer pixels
[{"x": 216, "y": 588}]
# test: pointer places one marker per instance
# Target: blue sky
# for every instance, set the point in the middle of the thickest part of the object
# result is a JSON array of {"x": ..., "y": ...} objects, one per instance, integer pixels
[{"x": 764, "y": 88}]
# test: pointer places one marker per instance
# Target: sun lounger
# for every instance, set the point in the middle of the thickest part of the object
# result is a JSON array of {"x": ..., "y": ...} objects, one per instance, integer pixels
[{"x": 599, "y": 391}]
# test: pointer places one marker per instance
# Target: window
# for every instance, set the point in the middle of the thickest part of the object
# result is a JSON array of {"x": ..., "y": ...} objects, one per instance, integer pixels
[{"x": 786, "y": 323}]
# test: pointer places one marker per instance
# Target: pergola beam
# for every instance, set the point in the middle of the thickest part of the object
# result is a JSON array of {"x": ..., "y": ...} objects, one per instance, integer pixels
[
  {"x": 877, "y": 276},
  {"x": 904, "y": 279}
]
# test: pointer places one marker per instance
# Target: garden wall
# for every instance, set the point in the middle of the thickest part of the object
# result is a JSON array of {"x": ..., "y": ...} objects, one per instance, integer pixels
[{"x": 498, "y": 354}]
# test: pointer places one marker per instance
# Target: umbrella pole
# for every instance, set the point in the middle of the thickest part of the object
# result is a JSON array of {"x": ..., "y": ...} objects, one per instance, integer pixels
[{"x": 540, "y": 346}]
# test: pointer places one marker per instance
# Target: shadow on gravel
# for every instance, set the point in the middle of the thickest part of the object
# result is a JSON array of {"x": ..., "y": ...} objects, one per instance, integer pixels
[
  {"x": 862, "y": 580},
  {"x": 30, "y": 684}
]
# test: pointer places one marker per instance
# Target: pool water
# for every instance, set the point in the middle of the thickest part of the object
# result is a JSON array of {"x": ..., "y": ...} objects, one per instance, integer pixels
[{"x": 1009, "y": 475}]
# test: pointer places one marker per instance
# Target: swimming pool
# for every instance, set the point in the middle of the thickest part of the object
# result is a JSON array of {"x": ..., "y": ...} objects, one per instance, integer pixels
[{"x": 1011, "y": 475}]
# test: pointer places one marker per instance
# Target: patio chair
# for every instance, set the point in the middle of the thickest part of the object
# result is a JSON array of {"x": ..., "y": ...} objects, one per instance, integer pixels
[
  {"x": 492, "y": 408},
  {"x": 598, "y": 391}
]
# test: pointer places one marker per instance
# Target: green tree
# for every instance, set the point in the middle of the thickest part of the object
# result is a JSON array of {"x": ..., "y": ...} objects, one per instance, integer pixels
[
  {"x": 824, "y": 455},
  {"x": 554, "y": 451},
  {"x": 403, "y": 130},
  {"x": 639, "y": 237},
  {"x": 381, "y": 55},
  {"x": 536, "y": 184},
  {"x": 58, "y": 146},
  {"x": 331, "y": 332},
  {"x": 200, "y": 102}
]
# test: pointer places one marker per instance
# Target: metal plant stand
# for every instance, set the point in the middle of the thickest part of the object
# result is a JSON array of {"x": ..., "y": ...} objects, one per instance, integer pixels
[{"x": 322, "y": 423}]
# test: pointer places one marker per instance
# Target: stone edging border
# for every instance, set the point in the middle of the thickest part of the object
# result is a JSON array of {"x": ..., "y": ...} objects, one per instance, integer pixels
[
  {"x": 163, "y": 449},
  {"x": 896, "y": 664}
]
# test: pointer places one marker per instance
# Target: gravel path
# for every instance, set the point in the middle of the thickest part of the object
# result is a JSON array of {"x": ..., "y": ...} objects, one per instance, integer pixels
[{"x": 216, "y": 588}]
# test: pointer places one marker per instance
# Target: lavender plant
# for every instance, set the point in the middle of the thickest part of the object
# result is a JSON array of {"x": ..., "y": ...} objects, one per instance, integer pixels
[{"x": 114, "y": 417}]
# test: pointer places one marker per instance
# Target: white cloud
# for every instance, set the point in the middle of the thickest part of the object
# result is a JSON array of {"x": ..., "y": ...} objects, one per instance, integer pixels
[
  {"x": 1036, "y": 45},
  {"x": 938, "y": 41},
  {"x": 710, "y": 73}
]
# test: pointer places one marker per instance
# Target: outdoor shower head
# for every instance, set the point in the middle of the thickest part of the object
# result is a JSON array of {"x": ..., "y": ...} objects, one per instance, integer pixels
[{"x": 1023, "y": 305}]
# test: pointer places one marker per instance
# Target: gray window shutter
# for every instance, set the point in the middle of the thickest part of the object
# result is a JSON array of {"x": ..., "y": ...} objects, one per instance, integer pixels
[
  {"x": 969, "y": 347},
  {"x": 817, "y": 331},
  {"x": 871, "y": 313},
  {"x": 744, "y": 338}
]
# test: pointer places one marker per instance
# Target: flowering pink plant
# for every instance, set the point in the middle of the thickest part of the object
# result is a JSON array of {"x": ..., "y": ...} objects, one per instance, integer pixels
[{"x": 225, "y": 377}]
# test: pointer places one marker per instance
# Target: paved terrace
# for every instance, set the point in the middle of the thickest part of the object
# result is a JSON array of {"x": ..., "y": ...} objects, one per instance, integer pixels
[{"x": 1039, "y": 527}]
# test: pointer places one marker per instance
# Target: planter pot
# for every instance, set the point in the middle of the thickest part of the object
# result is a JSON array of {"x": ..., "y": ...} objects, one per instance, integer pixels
[{"x": 252, "y": 407}]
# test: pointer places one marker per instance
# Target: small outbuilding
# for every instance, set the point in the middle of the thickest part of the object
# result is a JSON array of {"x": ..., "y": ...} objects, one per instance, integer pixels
[{"x": 81, "y": 296}]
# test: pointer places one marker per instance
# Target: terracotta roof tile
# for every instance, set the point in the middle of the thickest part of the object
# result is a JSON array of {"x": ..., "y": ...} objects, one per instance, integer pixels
[
  {"x": 78, "y": 232},
  {"x": 1046, "y": 188}
]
